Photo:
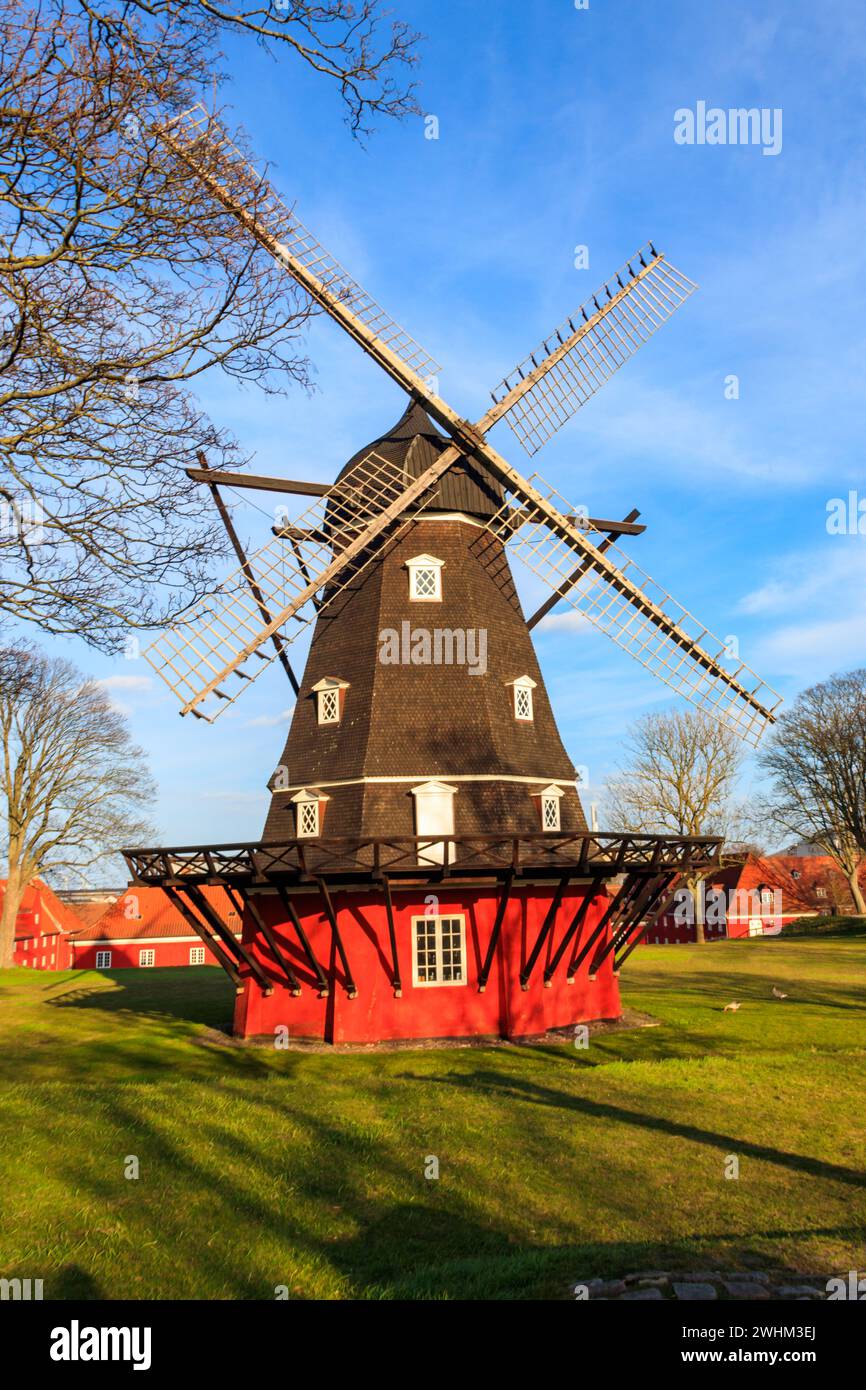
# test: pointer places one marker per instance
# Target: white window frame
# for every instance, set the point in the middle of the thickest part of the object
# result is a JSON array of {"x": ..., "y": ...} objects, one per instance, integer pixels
[
  {"x": 437, "y": 920},
  {"x": 329, "y": 695},
  {"x": 329, "y": 706},
  {"x": 308, "y": 819},
  {"x": 146, "y": 964},
  {"x": 524, "y": 699},
  {"x": 103, "y": 960},
  {"x": 196, "y": 955},
  {"x": 420, "y": 565},
  {"x": 549, "y": 799}
]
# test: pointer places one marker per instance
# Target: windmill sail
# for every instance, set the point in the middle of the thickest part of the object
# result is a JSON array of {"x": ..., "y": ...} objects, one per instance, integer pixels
[
  {"x": 544, "y": 391},
  {"x": 620, "y": 599},
  {"x": 207, "y": 149},
  {"x": 296, "y": 574}
]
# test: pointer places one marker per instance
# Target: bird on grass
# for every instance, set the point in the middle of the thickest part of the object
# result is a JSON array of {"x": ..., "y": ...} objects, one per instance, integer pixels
[
  {"x": 778, "y": 994},
  {"x": 730, "y": 1008}
]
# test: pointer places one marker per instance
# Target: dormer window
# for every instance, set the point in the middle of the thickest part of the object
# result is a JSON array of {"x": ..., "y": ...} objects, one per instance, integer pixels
[
  {"x": 330, "y": 696},
  {"x": 548, "y": 805},
  {"x": 425, "y": 579},
  {"x": 309, "y": 812},
  {"x": 523, "y": 702}
]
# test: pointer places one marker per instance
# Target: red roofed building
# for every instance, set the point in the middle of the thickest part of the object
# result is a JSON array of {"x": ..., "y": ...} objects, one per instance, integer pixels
[
  {"x": 759, "y": 897},
  {"x": 143, "y": 928},
  {"x": 43, "y": 928}
]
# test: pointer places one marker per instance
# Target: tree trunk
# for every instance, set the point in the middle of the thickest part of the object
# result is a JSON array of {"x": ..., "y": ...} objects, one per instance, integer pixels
[
  {"x": 857, "y": 894},
  {"x": 12, "y": 899}
]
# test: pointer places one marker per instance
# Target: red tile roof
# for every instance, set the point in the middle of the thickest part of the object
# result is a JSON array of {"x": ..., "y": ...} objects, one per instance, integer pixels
[
  {"x": 41, "y": 912},
  {"x": 146, "y": 913},
  {"x": 799, "y": 878}
]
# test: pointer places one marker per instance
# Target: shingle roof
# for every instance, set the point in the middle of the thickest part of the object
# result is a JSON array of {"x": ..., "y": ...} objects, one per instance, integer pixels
[{"x": 415, "y": 442}]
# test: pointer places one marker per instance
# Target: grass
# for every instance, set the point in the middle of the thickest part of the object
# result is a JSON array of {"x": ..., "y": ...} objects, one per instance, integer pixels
[{"x": 306, "y": 1169}]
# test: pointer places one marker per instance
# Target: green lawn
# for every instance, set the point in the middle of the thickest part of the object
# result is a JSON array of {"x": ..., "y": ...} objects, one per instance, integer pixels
[{"x": 262, "y": 1168}]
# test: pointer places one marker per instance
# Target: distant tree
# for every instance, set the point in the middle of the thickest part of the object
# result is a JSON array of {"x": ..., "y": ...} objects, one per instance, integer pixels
[
  {"x": 122, "y": 281},
  {"x": 680, "y": 779},
  {"x": 72, "y": 783},
  {"x": 816, "y": 759}
]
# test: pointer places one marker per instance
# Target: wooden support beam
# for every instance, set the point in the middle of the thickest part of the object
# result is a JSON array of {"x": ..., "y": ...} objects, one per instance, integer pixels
[
  {"x": 645, "y": 927},
  {"x": 577, "y": 922},
  {"x": 207, "y": 475},
  {"x": 392, "y": 934},
  {"x": 351, "y": 987},
  {"x": 617, "y": 904},
  {"x": 273, "y": 945},
  {"x": 324, "y": 988},
  {"x": 568, "y": 584},
  {"x": 229, "y": 940},
  {"x": 257, "y": 481},
  {"x": 206, "y": 937},
  {"x": 546, "y": 928},
  {"x": 484, "y": 972},
  {"x": 643, "y": 903}
]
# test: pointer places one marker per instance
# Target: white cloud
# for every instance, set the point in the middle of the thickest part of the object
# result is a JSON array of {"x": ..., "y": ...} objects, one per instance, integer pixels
[
  {"x": 126, "y": 682},
  {"x": 568, "y": 621},
  {"x": 269, "y": 721}
]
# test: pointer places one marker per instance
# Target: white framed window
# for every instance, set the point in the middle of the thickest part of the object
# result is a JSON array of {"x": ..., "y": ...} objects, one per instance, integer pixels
[
  {"x": 523, "y": 687},
  {"x": 146, "y": 957},
  {"x": 196, "y": 955},
  {"x": 103, "y": 960},
  {"x": 439, "y": 950},
  {"x": 43, "y": 962},
  {"x": 548, "y": 801},
  {"x": 425, "y": 579},
  {"x": 330, "y": 694},
  {"x": 309, "y": 806},
  {"x": 329, "y": 707},
  {"x": 26, "y": 945}
]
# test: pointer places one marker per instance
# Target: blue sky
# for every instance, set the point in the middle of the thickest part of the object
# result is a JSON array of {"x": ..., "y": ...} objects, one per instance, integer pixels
[{"x": 556, "y": 129}]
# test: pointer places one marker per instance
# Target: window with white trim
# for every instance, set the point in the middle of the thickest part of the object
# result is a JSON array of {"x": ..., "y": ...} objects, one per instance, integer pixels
[
  {"x": 196, "y": 955},
  {"x": 425, "y": 579},
  {"x": 329, "y": 706},
  {"x": 308, "y": 819},
  {"x": 103, "y": 960},
  {"x": 439, "y": 950},
  {"x": 550, "y": 813},
  {"x": 523, "y": 699},
  {"x": 146, "y": 958}
]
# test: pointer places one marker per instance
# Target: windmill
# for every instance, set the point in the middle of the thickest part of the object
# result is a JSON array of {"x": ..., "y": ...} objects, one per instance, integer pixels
[{"x": 434, "y": 496}]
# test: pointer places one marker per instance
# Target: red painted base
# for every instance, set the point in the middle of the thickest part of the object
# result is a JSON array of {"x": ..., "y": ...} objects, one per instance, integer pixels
[{"x": 376, "y": 1014}]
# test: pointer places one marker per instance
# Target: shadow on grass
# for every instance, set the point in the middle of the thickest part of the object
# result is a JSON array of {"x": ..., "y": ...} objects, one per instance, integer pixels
[
  {"x": 193, "y": 994},
  {"x": 514, "y": 1088},
  {"x": 408, "y": 1238}
]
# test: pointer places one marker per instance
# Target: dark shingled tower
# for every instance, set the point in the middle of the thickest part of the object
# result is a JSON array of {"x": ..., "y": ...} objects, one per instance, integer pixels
[{"x": 406, "y": 725}]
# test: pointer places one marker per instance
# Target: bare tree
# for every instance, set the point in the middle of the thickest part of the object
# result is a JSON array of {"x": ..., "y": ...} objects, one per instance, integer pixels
[
  {"x": 680, "y": 779},
  {"x": 73, "y": 783},
  {"x": 122, "y": 281},
  {"x": 817, "y": 761}
]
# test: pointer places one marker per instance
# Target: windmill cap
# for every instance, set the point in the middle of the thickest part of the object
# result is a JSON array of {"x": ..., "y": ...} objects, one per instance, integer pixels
[{"x": 414, "y": 443}]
